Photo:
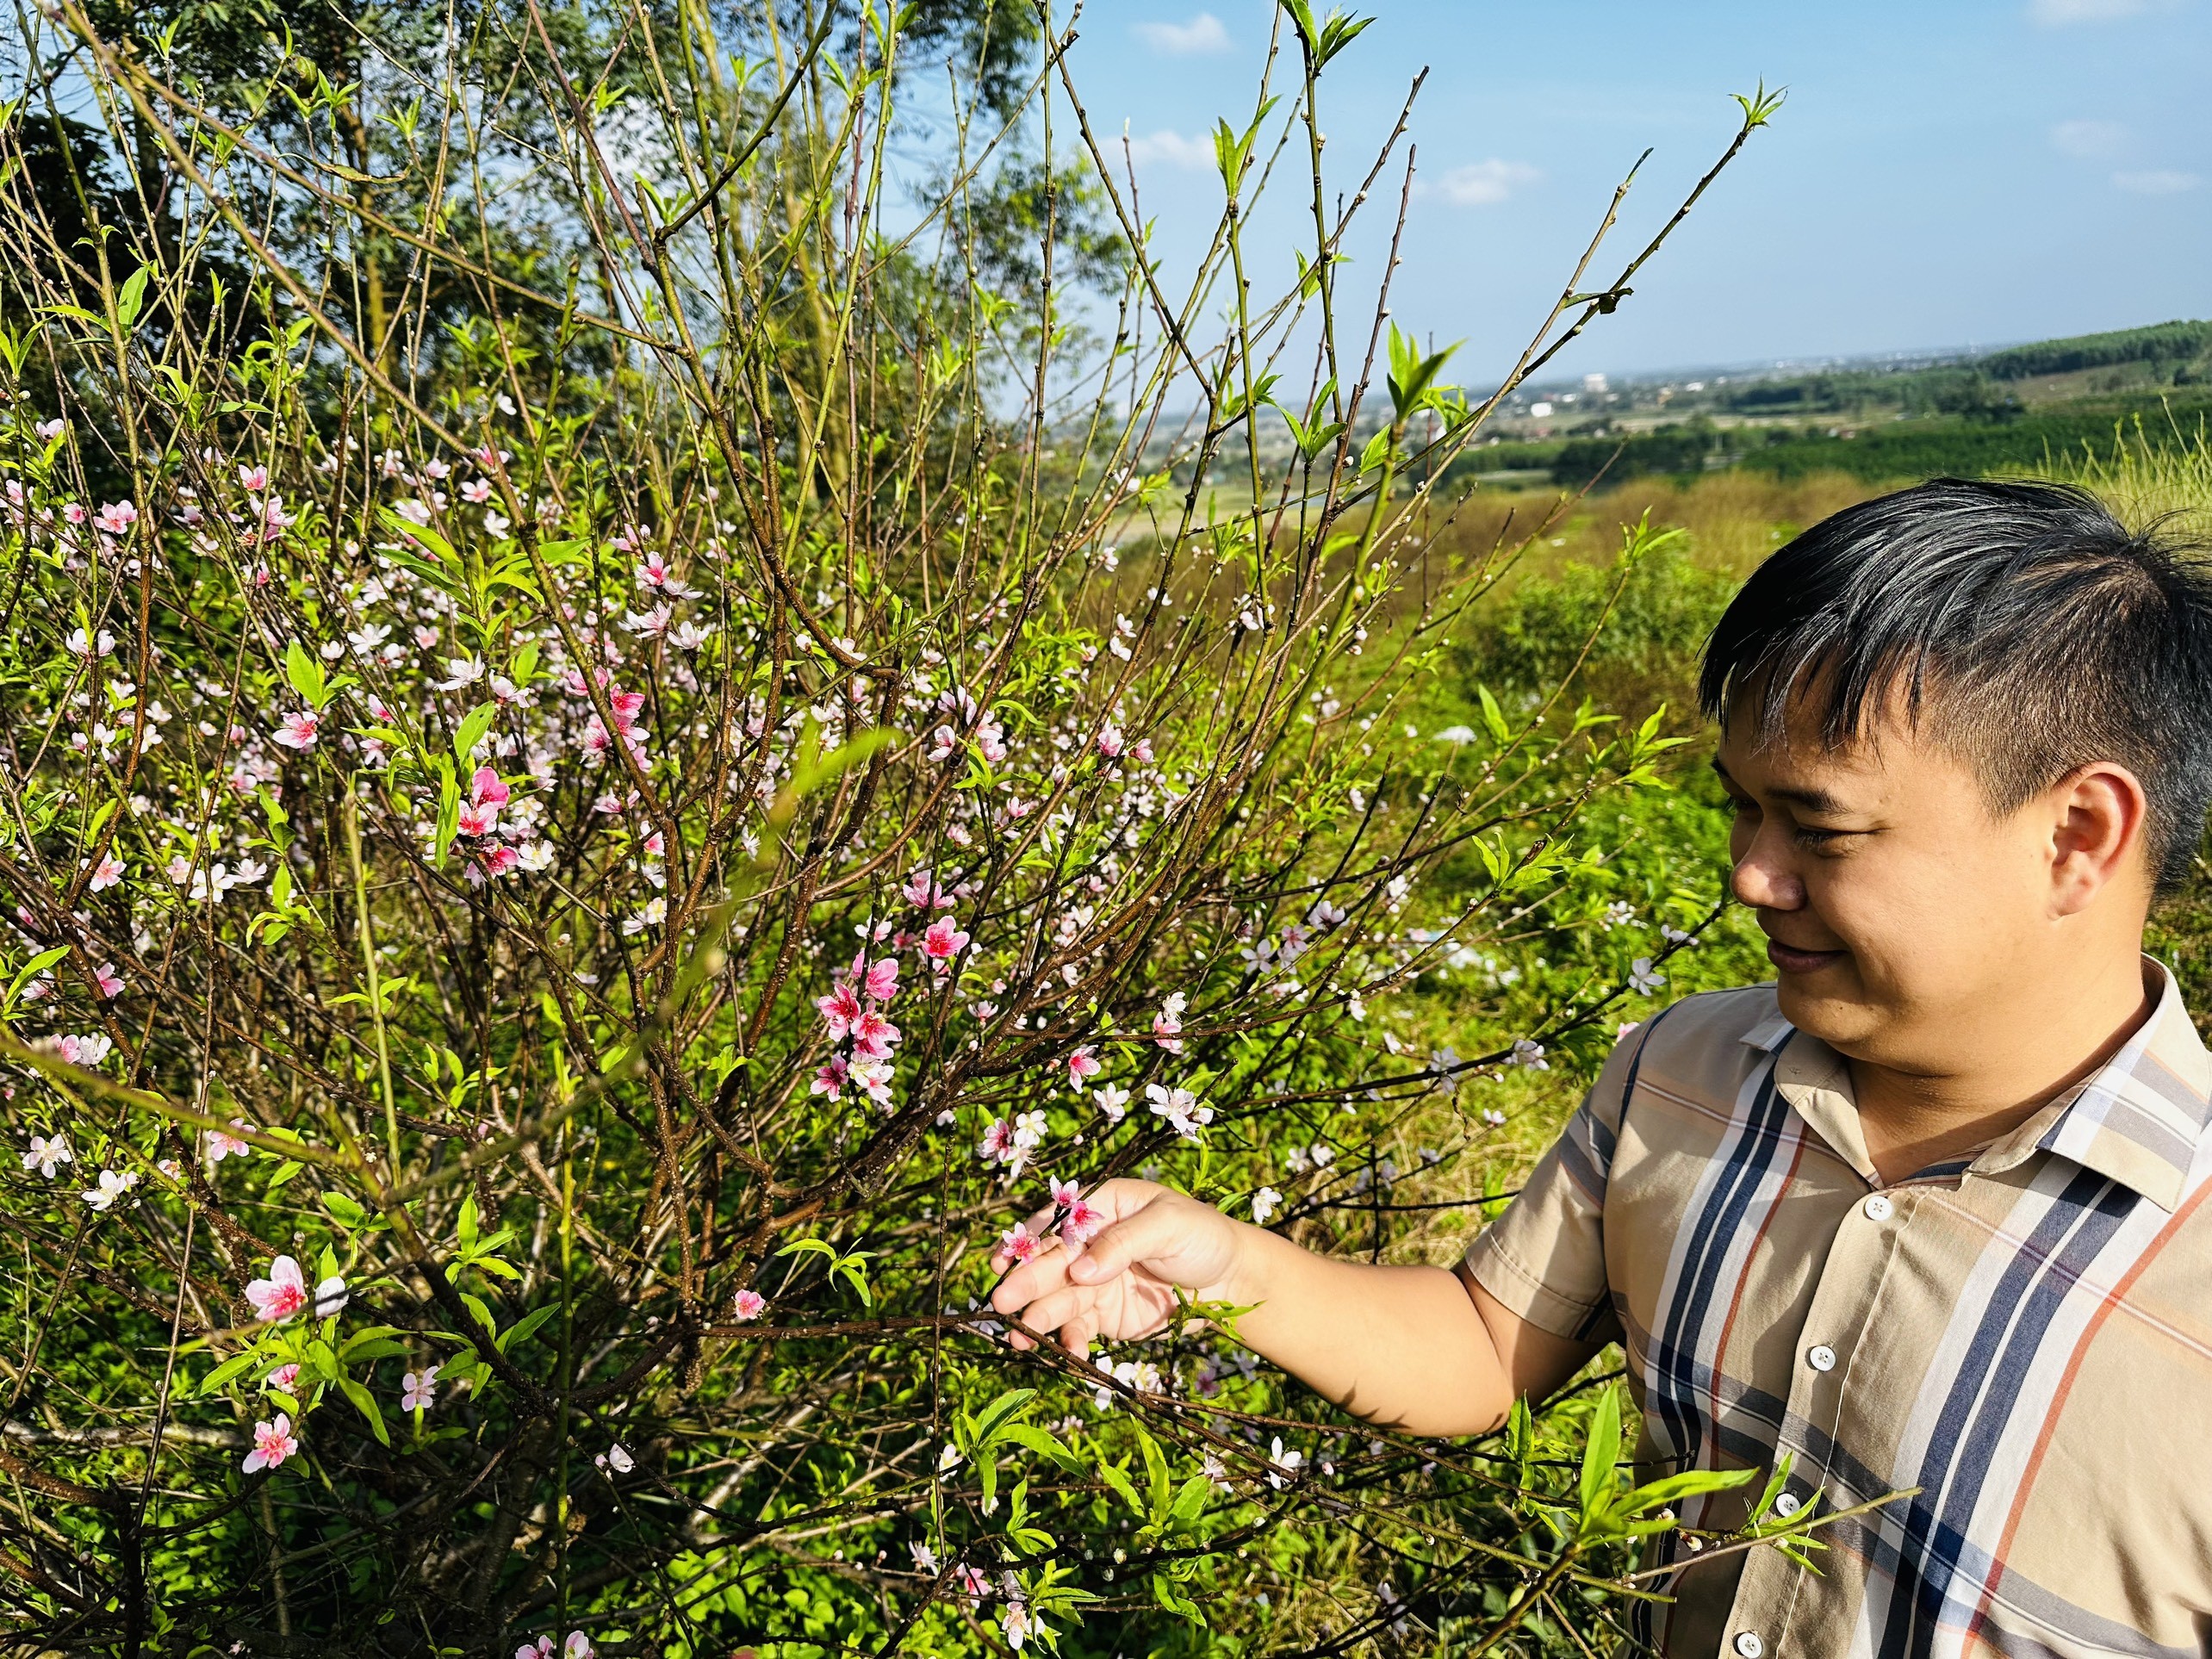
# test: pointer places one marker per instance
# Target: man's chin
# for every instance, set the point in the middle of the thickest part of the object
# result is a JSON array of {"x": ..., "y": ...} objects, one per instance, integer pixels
[{"x": 1828, "y": 1011}]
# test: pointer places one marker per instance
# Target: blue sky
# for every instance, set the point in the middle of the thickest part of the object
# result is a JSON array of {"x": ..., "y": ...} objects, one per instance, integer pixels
[{"x": 1945, "y": 173}]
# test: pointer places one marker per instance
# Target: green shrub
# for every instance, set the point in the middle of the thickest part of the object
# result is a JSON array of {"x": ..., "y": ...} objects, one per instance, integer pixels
[
  {"x": 592, "y": 812},
  {"x": 1631, "y": 631}
]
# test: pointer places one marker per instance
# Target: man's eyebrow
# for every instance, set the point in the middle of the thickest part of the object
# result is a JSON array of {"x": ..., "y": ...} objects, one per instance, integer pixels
[{"x": 1813, "y": 799}]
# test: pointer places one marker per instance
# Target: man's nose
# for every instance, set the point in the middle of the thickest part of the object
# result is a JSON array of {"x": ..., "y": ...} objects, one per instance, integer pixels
[{"x": 1764, "y": 878}]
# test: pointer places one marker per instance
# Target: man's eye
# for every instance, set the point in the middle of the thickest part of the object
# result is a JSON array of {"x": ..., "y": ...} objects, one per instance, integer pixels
[{"x": 1809, "y": 836}]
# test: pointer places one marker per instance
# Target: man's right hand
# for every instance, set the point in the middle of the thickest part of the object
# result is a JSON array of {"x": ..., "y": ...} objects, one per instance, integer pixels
[
  {"x": 1117, "y": 1288},
  {"x": 1420, "y": 1349}
]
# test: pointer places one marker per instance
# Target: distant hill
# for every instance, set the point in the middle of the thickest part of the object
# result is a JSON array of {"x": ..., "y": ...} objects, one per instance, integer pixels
[
  {"x": 2023, "y": 406},
  {"x": 2169, "y": 347}
]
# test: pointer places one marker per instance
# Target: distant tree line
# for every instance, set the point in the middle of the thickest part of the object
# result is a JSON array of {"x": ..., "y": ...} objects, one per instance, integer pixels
[{"x": 2172, "y": 348}]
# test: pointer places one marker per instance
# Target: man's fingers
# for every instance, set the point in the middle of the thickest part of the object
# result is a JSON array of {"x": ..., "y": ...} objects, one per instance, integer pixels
[
  {"x": 1130, "y": 1241},
  {"x": 1046, "y": 1272},
  {"x": 1063, "y": 1306}
]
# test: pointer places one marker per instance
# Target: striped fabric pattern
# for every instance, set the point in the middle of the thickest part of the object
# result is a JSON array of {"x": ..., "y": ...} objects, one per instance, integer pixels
[{"x": 2024, "y": 1335}]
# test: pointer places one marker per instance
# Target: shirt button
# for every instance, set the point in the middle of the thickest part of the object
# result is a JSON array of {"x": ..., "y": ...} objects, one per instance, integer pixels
[
  {"x": 1821, "y": 1357},
  {"x": 1748, "y": 1644},
  {"x": 1787, "y": 1504},
  {"x": 1878, "y": 1207}
]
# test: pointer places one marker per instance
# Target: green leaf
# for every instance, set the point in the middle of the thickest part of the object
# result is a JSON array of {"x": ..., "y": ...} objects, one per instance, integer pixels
[
  {"x": 1691, "y": 1482},
  {"x": 523, "y": 1328},
  {"x": 449, "y": 813},
  {"x": 306, "y": 674},
  {"x": 1112, "y": 1474},
  {"x": 344, "y": 1210},
  {"x": 225, "y": 1372},
  {"x": 422, "y": 534},
  {"x": 1494, "y": 717},
  {"x": 32, "y": 969},
  {"x": 1412, "y": 375},
  {"x": 1520, "y": 1440},
  {"x": 285, "y": 1171},
  {"x": 476, "y": 1306},
  {"x": 1190, "y": 1502},
  {"x": 996, "y": 1415},
  {"x": 1040, "y": 1441},
  {"x": 1773, "y": 1488},
  {"x": 367, "y": 1403},
  {"x": 1162, "y": 1498},
  {"x": 1602, "y": 1453},
  {"x": 132, "y": 300},
  {"x": 474, "y": 725}
]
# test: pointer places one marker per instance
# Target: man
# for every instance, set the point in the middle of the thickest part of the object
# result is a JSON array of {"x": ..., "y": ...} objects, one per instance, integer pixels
[{"x": 1927, "y": 1211}]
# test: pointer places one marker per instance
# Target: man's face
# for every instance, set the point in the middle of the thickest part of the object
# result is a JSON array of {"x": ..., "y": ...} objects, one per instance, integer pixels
[{"x": 1895, "y": 906}]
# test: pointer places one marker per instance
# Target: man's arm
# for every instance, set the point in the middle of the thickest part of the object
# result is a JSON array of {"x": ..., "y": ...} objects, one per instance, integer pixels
[{"x": 1422, "y": 1349}]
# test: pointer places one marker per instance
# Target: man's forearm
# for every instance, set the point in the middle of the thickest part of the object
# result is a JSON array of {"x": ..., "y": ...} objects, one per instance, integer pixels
[{"x": 1404, "y": 1348}]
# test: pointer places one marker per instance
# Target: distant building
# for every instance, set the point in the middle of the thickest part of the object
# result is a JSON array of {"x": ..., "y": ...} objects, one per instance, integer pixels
[
  {"x": 1693, "y": 386},
  {"x": 1540, "y": 411},
  {"x": 1593, "y": 384}
]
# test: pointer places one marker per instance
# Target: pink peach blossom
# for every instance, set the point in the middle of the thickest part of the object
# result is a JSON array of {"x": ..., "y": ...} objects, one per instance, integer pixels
[
  {"x": 1168, "y": 1022},
  {"x": 880, "y": 982},
  {"x": 840, "y": 1009},
  {"x": 273, "y": 1442},
  {"x": 1018, "y": 1244},
  {"x": 1081, "y": 1220},
  {"x": 748, "y": 1305},
  {"x": 998, "y": 1144},
  {"x": 943, "y": 940},
  {"x": 298, "y": 730},
  {"x": 873, "y": 1076},
  {"x": 921, "y": 892},
  {"x": 874, "y": 1036},
  {"x": 284, "y": 1292}
]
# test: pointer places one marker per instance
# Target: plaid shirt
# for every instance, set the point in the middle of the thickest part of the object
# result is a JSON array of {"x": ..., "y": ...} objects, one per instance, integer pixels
[{"x": 2025, "y": 1335}]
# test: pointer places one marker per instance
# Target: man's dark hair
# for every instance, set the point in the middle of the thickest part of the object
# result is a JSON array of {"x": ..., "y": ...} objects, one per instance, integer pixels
[{"x": 2030, "y": 631}]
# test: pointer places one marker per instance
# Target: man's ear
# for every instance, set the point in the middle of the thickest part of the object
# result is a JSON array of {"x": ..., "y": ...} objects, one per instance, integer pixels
[{"x": 2101, "y": 818}]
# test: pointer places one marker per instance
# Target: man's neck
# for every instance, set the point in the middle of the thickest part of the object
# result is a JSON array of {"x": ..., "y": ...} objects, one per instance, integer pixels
[{"x": 1913, "y": 1118}]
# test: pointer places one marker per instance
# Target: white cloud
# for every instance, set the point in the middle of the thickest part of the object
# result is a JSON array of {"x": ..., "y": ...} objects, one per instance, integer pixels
[
  {"x": 2057, "y": 14},
  {"x": 2161, "y": 181},
  {"x": 2089, "y": 138},
  {"x": 1484, "y": 183},
  {"x": 1172, "y": 149},
  {"x": 1202, "y": 33}
]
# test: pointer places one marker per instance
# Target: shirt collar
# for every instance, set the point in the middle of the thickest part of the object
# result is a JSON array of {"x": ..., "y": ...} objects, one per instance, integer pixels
[{"x": 2137, "y": 1119}]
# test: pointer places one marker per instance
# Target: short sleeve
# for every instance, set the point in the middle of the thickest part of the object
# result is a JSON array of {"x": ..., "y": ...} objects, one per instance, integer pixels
[{"x": 1545, "y": 1258}]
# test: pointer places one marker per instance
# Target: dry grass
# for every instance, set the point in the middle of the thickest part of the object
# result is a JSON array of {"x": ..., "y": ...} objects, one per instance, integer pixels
[
  {"x": 1733, "y": 519},
  {"x": 2141, "y": 482}
]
